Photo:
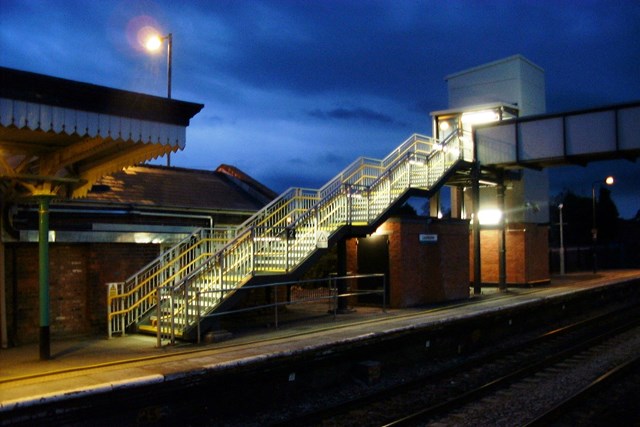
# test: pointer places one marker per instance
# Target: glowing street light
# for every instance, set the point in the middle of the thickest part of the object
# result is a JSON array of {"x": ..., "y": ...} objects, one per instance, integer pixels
[
  {"x": 594, "y": 229},
  {"x": 152, "y": 44}
]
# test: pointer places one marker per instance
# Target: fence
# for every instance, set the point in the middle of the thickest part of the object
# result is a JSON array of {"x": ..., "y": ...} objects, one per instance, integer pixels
[
  {"x": 580, "y": 258},
  {"x": 330, "y": 291}
]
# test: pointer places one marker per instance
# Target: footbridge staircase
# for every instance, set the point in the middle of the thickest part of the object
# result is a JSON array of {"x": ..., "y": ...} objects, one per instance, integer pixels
[{"x": 202, "y": 273}]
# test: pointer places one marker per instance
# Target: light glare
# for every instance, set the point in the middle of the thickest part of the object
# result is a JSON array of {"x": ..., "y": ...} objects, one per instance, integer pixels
[
  {"x": 149, "y": 38},
  {"x": 490, "y": 216},
  {"x": 477, "y": 117},
  {"x": 153, "y": 43}
]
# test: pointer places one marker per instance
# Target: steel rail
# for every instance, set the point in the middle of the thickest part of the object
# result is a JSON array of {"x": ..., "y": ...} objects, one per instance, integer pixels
[
  {"x": 610, "y": 377},
  {"x": 356, "y": 403}
]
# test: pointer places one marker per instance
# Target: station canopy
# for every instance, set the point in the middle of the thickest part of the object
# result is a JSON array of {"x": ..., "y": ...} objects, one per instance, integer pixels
[{"x": 58, "y": 137}]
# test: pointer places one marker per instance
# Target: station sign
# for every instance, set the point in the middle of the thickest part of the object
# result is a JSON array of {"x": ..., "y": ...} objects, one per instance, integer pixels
[{"x": 426, "y": 239}]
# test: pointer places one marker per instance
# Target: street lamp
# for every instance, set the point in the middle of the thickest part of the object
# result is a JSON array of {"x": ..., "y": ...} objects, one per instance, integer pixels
[
  {"x": 152, "y": 44},
  {"x": 594, "y": 229}
]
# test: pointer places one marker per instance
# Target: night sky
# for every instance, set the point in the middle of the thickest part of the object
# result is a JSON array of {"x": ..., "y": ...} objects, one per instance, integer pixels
[{"x": 294, "y": 91}]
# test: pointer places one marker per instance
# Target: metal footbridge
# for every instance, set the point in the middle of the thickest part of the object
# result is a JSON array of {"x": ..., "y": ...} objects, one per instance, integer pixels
[{"x": 201, "y": 274}]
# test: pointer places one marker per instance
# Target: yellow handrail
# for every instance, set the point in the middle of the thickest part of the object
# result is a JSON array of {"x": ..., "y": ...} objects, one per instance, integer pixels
[{"x": 284, "y": 233}]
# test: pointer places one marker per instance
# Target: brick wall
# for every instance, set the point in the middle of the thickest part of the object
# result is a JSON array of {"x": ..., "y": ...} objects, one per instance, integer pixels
[
  {"x": 423, "y": 273},
  {"x": 527, "y": 251},
  {"x": 538, "y": 254},
  {"x": 77, "y": 277}
]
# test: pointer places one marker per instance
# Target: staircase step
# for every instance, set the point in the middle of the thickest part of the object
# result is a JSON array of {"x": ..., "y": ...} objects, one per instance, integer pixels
[
  {"x": 261, "y": 248},
  {"x": 152, "y": 330}
]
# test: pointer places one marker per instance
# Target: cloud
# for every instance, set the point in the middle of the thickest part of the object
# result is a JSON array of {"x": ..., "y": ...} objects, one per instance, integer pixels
[
  {"x": 325, "y": 82},
  {"x": 359, "y": 114}
]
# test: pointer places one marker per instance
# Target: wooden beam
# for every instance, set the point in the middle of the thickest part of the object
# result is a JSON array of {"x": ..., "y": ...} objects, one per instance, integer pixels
[
  {"x": 115, "y": 162},
  {"x": 59, "y": 159}
]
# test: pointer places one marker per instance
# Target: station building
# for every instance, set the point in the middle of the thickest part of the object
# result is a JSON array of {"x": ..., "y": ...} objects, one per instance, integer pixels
[
  {"x": 126, "y": 220},
  {"x": 116, "y": 221}
]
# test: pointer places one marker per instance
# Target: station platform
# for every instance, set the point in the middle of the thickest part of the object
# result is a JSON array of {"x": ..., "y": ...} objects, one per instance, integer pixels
[{"x": 91, "y": 366}]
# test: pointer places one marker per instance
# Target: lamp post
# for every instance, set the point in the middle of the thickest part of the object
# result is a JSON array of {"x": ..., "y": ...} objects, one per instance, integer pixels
[
  {"x": 594, "y": 229},
  {"x": 152, "y": 44},
  {"x": 560, "y": 206}
]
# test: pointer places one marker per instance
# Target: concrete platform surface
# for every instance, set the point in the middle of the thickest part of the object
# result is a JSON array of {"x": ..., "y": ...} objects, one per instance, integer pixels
[{"x": 91, "y": 365}]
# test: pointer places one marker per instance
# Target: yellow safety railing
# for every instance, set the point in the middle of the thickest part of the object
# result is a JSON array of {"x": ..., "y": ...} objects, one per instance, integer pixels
[
  {"x": 132, "y": 299},
  {"x": 286, "y": 232}
]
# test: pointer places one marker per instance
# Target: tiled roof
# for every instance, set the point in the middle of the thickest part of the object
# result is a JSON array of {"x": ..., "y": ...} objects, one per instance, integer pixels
[
  {"x": 248, "y": 182},
  {"x": 178, "y": 188}
]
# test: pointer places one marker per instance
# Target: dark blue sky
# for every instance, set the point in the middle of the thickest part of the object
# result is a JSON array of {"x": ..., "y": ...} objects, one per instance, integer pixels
[{"x": 294, "y": 91}]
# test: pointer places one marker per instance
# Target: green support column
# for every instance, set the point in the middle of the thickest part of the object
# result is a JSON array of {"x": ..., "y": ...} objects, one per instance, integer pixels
[{"x": 43, "y": 253}]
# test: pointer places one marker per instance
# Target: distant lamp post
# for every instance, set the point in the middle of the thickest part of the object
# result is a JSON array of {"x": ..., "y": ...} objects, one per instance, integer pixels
[
  {"x": 560, "y": 206},
  {"x": 594, "y": 229},
  {"x": 154, "y": 43}
]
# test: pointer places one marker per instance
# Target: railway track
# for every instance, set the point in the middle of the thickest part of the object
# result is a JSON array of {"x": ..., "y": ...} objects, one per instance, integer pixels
[
  {"x": 196, "y": 406},
  {"x": 512, "y": 386},
  {"x": 609, "y": 398}
]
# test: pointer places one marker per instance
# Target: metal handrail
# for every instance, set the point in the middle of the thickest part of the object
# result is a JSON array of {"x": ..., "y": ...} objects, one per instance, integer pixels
[
  {"x": 288, "y": 253},
  {"x": 284, "y": 233},
  {"x": 137, "y": 295},
  {"x": 332, "y": 297}
]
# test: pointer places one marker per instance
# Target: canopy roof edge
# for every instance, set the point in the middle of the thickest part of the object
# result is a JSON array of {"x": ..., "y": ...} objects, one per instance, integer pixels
[
  {"x": 58, "y": 136},
  {"x": 42, "y": 89}
]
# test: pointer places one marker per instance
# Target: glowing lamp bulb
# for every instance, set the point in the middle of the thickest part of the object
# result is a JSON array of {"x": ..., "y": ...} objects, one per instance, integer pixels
[
  {"x": 609, "y": 180},
  {"x": 153, "y": 43},
  {"x": 490, "y": 216}
]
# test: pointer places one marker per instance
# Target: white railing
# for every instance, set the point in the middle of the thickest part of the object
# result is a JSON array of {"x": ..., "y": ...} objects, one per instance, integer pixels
[{"x": 282, "y": 235}]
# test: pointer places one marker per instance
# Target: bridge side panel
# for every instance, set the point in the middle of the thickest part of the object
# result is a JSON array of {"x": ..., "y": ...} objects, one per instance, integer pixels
[
  {"x": 496, "y": 144},
  {"x": 629, "y": 128},
  {"x": 591, "y": 133},
  {"x": 583, "y": 135},
  {"x": 541, "y": 139}
]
